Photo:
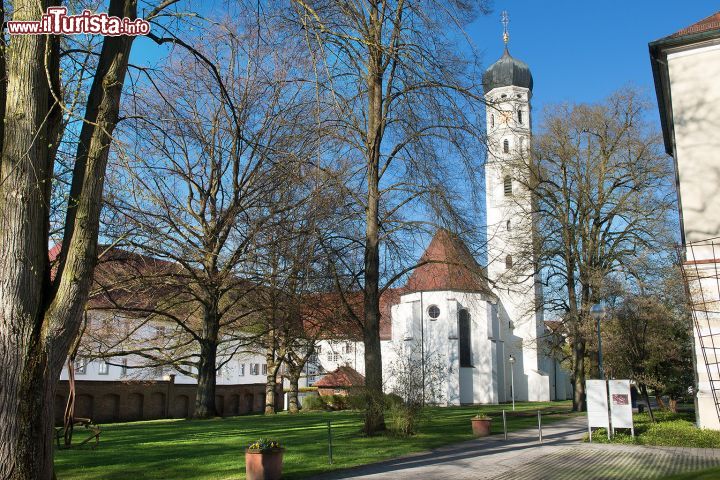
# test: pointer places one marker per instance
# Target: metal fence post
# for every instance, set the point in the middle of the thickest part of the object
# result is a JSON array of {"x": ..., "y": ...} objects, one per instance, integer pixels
[
  {"x": 539, "y": 426},
  {"x": 504, "y": 424},
  {"x": 330, "y": 443}
]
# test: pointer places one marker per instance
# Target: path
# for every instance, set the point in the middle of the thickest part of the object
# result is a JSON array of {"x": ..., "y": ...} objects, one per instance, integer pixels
[{"x": 560, "y": 457}]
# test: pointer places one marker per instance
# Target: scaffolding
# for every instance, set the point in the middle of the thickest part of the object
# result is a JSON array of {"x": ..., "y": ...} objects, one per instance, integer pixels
[{"x": 701, "y": 275}]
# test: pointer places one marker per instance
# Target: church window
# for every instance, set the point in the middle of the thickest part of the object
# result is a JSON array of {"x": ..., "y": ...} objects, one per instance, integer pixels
[
  {"x": 506, "y": 146},
  {"x": 507, "y": 225},
  {"x": 464, "y": 334},
  {"x": 492, "y": 120},
  {"x": 507, "y": 185},
  {"x": 508, "y": 262},
  {"x": 433, "y": 312},
  {"x": 520, "y": 116}
]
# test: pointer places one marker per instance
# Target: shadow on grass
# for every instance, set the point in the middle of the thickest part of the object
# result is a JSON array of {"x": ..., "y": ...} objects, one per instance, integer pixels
[{"x": 214, "y": 449}]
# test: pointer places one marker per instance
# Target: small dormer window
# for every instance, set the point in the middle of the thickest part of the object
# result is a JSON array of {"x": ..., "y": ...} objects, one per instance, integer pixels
[{"x": 506, "y": 146}]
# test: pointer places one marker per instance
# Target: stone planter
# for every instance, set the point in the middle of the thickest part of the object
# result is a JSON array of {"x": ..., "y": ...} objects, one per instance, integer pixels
[
  {"x": 265, "y": 465},
  {"x": 481, "y": 427}
]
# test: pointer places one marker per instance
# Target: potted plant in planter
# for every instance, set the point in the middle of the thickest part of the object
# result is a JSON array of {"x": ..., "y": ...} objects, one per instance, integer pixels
[
  {"x": 481, "y": 425},
  {"x": 263, "y": 460}
]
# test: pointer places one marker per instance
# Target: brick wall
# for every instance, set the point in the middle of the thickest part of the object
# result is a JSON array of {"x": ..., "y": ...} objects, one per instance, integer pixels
[{"x": 106, "y": 401}]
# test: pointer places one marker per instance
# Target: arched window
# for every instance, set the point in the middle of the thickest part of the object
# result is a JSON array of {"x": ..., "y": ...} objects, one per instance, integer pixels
[
  {"x": 507, "y": 185},
  {"x": 520, "y": 116},
  {"x": 506, "y": 146},
  {"x": 492, "y": 120},
  {"x": 464, "y": 340},
  {"x": 522, "y": 144},
  {"x": 508, "y": 262},
  {"x": 507, "y": 225}
]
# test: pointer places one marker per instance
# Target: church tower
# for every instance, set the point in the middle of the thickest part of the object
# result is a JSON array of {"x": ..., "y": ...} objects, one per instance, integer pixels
[{"x": 508, "y": 86}]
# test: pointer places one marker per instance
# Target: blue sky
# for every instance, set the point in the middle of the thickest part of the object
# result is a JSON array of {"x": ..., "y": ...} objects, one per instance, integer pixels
[{"x": 581, "y": 51}]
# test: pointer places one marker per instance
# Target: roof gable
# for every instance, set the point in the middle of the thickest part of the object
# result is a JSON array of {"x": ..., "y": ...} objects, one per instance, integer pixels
[
  {"x": 705, "y": 25},
  {"x": 447, "y": 264},
  {"x": 341, "y": 377}
]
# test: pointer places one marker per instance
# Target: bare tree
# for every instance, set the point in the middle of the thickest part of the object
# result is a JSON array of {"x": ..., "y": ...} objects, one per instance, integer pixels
[
  {"x": 213, "y": 147},
  {"x": 403, "y": 100},
  {"x": 42, "y": 306},
  {"x": 602, "y": 191}
]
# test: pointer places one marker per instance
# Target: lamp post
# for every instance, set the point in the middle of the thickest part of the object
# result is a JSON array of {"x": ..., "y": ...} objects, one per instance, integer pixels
[
  {"x": 598, "y": 313},
  {"x": 511, "y": 360}
]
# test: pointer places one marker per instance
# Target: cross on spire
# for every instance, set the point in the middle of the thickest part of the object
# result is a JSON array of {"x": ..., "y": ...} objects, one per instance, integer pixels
[{"x": 505, "y": 19}]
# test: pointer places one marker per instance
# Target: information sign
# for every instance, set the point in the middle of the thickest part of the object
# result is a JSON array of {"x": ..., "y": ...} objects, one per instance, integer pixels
[
  {"x": 597, "y": 405},
  {"x": 620, "y": 405}
]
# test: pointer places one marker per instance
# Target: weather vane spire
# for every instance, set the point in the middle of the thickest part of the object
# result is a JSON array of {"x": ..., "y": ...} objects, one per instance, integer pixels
[{"x": 505, "y": 19}]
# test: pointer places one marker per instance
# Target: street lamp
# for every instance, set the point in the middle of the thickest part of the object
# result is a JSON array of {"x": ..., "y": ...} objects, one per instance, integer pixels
[
  {"x": 511, "y": 360},
  {"x": 598, "y": 313}
]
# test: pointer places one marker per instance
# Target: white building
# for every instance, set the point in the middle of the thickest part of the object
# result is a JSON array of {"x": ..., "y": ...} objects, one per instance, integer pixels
[{"x": 686, "y": 69}]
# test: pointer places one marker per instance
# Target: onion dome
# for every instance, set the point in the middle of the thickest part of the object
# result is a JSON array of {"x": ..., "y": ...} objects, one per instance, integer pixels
[{"x": 507, "y": 71}]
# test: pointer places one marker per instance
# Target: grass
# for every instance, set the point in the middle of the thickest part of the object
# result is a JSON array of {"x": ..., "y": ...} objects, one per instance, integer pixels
[
  {"x": 671, "y": 430},
  {"x": 214, "y": 449},
  {"x": 708, "y": 474}
]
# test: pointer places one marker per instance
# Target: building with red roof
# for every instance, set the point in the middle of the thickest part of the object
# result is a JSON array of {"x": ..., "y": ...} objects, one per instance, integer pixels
[{"x": 342, "y": 381}]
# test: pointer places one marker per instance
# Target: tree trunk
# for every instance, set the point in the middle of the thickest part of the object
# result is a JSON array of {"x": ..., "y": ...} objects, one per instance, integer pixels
[
  {"x": 643, "y": 389},
  {"x": 273, "y": 365},
  {"x": 207, "y": 380},
  {"x": 579, "y": 376},
  {"x": 293, "y": 404},
  {"x": 374, "y": 418},
  {"x": 39, "y": 318}
]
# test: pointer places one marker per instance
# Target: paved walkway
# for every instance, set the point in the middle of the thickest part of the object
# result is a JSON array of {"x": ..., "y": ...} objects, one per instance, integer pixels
[{"x": 562, "y": 456}]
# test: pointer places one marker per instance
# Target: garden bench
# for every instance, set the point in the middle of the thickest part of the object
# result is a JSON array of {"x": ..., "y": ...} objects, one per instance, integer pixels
[{"x": 92, "y": 428}]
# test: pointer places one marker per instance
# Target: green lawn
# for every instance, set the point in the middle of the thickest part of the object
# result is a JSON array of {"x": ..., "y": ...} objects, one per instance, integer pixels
[
  {"x": 709, "y": 474},
  {"x": 214, "y": 449},
  {"x": 671, "y": 429}
]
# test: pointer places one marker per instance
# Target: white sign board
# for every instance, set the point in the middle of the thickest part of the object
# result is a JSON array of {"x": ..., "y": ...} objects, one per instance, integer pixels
[
  {"x": 597, "y": 405},
  {"x": 620, "y": 405}
]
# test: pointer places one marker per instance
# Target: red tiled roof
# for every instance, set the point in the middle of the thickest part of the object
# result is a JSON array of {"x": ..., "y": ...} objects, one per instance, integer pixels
[
  {"x": 450, "y": 266},
  {"x": 129, "y": 280},
  {"x": 341, "y": 377},
  {"x": 328, "y": 312},
  {"x": 705, "y": 25}
]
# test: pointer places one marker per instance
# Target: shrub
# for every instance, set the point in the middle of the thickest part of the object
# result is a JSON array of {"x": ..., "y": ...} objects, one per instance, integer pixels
[
  {"x": 403, "y": 418},
  {"x": 392, "y": 400},
  {"x": 337, "y": 402},
  {"x": 356, "y": 402},
  {"x": 314, "y": 402}
]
